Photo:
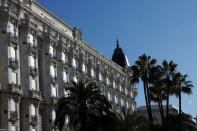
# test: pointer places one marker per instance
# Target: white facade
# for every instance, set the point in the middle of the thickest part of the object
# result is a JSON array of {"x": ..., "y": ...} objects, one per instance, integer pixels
[{"x": 39, "y": 55}]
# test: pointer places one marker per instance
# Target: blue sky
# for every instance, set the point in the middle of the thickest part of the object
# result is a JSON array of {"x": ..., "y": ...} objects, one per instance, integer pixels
[{"x": 164, "y": 29}]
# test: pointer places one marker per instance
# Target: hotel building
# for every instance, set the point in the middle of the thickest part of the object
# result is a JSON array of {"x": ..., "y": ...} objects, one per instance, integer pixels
[{"x": 39, "y": 55}]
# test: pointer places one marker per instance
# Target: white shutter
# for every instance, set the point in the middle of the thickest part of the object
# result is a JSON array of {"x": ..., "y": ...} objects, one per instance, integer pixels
[{"x": 33, "y": 110}]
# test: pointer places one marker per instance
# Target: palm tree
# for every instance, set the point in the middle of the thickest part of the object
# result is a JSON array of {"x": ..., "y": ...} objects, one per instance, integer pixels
[
  {"x": 84, "y": 105},
  {"x": 183, "y": 86},
  {"x": 141, "y": 70},
  {"x": 157, "y": 90},
  {"x": 169, "y": 69},
  {"x": 131, "y": 121}
]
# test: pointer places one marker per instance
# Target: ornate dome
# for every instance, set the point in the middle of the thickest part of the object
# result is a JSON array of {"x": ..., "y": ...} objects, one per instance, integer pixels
[{"x": 119, "y": 57}]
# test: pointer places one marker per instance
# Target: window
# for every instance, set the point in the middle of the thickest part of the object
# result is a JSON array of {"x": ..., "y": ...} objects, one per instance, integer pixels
[
  {"x": 120, "y": 88},
  {"x": 53, "y": 115},
  {"x": 114, "y": 84},
  {"x": 51, "y": 50},
  {"x": 32, "y": 61},
  {"x": 53, "y": 91},
  {"x": 109, "y": 96},
  {"x": 126, "y": 91},
  {"x": 52, "y": 71},
  {"x": 33, "y": 84},
  {"x": 84, "y": 68},
  {"x": 13, "y": 128},
  {"x": 75, "y": 79},
  {"x": 12, "y": 52},
  {"x": 131, "y": 94},
  {"x": 115, "y": 99},
  {"x": 74, "y": 63},
  {"x": 107, "y": 81},
  {"x": 100, "y": 77},
  {"x": 122, "y": 102},
  {"x": 33, "y": 110},
  {"x": 32, "y": 40},
  {"x": 12, "y": 105},
  {"x": 63, "y": 57},
  {"x": 11, "y": 29},
  {"x": 13, "y": 77},
  {"x": 92, "y": 72},
  {"x": 127, "y": 104},
  {"x": 65, "y": 76}
]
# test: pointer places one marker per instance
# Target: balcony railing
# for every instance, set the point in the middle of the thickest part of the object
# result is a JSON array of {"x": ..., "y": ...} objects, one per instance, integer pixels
[
  {"x": 54, "y": 100},
  {"x": 35, "y": 94},
  {"x": 13, "y": 37},
  {"x": 13, "y": 63},
  {"x": 34, "y": 120},
  {"x": 33, "y": 48},
  {"x": 33, "y": 71},
  {"x": 13, "y": 116},
  {"x": 14, "y": 88},
  {"x": 54, "y": 80}
]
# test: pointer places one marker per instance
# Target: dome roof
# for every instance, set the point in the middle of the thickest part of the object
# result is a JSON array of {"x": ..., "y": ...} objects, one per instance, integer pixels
[{"x": 119, "y": 57}]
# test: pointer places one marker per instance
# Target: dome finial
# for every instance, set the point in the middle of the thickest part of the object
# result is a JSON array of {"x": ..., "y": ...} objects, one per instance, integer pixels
[{"x": 117, "y": 43}]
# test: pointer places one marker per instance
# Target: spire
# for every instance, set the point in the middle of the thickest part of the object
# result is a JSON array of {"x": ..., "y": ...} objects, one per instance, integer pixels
[{"x": 117, "y": 43}]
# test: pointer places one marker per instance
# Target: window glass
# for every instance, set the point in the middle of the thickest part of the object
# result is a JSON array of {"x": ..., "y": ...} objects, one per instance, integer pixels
[
  {"x": 32, "y": 61},
  {"x": 12, "y": 105},
  {"x": 63, "y": 57},
  {"x": 100, "y": 77},
  {"x": 31, "y": 39},
  {"x": 84, "y": 69},
  {"x": 51, "y": 50},
  {"x": 33, "y": 84},
  {"x": 74, "y": 63},
  {"x": 116, "y": 99},
  {"x": 75, "y": 79},
  {"x": 122, "y": 102},
  {"x": 14, "y": 77},
  {"x": 11, "y": 30},
  {"x": 52, "y": 71},
  {"x": 53, "y": 91},
  {"x": 53, "y": 115},
  {"x": 33, "y": 110},
  {"x": 65, "y": 76},
  {"x": 12, "y": 52},
  {"x": 107, "y": 81},
  {"x": 13, "y": 128},
  {"x": 109, "y": 96},
  {"x": 92, "y": 72},
  {"x": 114, "y": 84}
]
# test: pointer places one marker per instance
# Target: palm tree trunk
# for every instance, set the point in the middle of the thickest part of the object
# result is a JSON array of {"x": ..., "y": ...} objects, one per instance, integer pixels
[
  {"x": 180, "y": 110},
  {"x": 167, "y": 107},
  {"x": 148, "y": 107},
  {"x": 161, "y": 111}
]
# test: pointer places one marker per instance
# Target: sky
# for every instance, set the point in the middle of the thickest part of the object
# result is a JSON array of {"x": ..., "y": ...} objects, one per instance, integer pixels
[{"x": 163, "y": 29}]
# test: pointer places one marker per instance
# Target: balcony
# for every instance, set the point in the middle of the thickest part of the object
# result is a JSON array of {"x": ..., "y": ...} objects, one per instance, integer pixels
[
  {"x": 54, "y": 100},
  {"x": 33, "y": 48},
  {"x": 34, "y": 120},
  {"x": 13, "y": 38},
  {"x": 14, "y": 88},
  {"x": 33, "y": 71},
  {"x": 54, "y": 80},
  {"x": 35, "y": 94},
  {"x": 53, "y": 58},
  {"x": 13, "y": 63},
  {"x": 13, "y": 116}
]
